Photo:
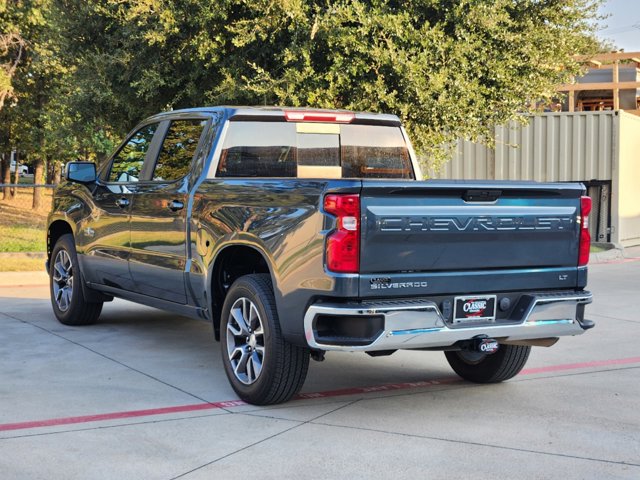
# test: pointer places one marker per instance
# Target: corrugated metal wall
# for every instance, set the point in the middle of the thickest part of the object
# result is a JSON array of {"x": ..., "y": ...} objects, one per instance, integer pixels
[{"x": 567, "y": 146}]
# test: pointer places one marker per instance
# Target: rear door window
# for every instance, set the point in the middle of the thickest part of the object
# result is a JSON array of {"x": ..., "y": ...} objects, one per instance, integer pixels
[
  {"x": 178, "y": 149},
  {"x": 314, "y": 150}
]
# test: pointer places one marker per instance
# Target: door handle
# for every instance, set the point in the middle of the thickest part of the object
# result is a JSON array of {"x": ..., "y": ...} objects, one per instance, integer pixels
[
  {"x": 175, "y": 205},
  {"x": 122, "y": 202}
]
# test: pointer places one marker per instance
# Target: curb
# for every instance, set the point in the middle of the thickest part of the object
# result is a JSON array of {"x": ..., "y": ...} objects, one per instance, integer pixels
[
  {"x": 616, "y": 254},
  {"x": 607, "y": 256},
  {"x": 24, "y": 279}
]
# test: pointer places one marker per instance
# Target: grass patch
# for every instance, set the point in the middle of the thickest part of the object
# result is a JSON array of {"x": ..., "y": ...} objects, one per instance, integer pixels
[
  {"x": 26, "y": 180},
  {"x": 22, "y": 264},
  {"x": 595, "y": 249},
  {"x": 22, "y": 229},
  {"x": 22, "y": 239}
]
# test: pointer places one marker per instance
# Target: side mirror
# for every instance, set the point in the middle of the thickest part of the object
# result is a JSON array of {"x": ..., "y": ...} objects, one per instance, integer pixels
[{"x": 81, "y": 172}]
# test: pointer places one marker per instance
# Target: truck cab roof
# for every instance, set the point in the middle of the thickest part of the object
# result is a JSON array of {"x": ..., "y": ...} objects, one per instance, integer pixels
[{"x": 272, "y": 113}]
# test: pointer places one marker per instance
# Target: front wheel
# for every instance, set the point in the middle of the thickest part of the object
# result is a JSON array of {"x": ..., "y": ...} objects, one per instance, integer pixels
[
  {"x": 67, "y": 297},
  {"x": 262, "y": 367},
  {"x": 478, "y": 367}
]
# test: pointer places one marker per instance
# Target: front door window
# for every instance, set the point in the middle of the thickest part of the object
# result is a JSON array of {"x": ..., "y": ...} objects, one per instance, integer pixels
[{"x": 127, "y": 164}]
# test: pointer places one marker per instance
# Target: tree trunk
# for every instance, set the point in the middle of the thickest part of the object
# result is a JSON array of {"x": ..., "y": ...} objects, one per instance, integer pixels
[
  {"x": 38, "y": 193},
  {"x": 6, "y": 176},
  {"x": 16, "y": 175},
  {"x": 50, "y": 166},
  {"x": 57, "y": 172}
]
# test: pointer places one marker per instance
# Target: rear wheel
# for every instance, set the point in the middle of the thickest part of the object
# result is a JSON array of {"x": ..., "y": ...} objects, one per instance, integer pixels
[
  {"x": 479, "y": 367},
  {"x": 262, "y": 367},
  {"x": 67, "y": 297}
]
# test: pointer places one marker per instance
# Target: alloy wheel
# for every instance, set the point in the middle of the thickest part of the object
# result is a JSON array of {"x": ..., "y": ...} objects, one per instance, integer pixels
[
  {"x": 63, "y": 280},
  {"x": 245, "y": 341}
]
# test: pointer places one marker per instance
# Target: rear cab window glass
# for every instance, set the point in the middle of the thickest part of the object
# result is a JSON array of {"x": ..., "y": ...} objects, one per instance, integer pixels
[
  {"x": 374, "y": 152},
  {"x": 314, "y": 150},
  {"x": 178, "y": 149},
  {"x": 258, "y": 149},
  {"x": 127, "y": 164}
]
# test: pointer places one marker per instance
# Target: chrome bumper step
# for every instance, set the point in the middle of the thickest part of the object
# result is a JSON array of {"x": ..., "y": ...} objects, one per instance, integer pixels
[{"x": 420, "y": 324}]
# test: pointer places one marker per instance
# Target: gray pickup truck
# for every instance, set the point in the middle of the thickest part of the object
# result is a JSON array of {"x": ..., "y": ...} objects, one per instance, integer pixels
[{"x": 298, "y": 231}]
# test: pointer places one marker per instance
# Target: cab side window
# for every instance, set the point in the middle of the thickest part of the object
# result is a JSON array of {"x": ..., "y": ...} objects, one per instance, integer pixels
[
  {"x": 259, "y": 149},
  {"x": 127, "y": 164},
  {"x": 178, "y": 149}
]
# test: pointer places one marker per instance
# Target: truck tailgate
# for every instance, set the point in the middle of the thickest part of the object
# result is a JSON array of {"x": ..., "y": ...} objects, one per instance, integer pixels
[{"x": 437, "y": 226}]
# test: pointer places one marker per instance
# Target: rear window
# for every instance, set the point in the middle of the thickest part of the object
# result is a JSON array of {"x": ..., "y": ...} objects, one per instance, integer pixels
[{"x": 314, "y": 150}]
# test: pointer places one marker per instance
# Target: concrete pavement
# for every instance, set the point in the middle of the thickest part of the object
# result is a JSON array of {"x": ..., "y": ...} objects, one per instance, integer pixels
[{"x": 142, "y": 395}]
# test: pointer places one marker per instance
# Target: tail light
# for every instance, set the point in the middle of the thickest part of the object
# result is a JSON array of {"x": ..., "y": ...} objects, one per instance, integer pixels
[
  {"x": 585, "y": 237},
  {"x": 343, "y": 244}
]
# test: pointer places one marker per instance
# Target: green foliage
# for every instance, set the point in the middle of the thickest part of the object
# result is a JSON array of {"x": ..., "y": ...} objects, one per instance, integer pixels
[
  {"x": 11, "y": 49},
  {"x": 448, "y": 68},
  {"x": 40, "y": 122}
]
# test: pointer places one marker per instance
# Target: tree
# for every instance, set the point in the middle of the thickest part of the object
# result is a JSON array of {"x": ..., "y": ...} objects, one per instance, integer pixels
[
  {"x": 449, "y": 68},
  {"x": 11, "y": 51},
  {"x": 91, "y": 69},
  {"x": 32, "y": 84}
]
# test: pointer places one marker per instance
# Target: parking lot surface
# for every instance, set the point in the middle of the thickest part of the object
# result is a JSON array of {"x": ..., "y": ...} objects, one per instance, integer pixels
[{"x": 142, "y": 395}]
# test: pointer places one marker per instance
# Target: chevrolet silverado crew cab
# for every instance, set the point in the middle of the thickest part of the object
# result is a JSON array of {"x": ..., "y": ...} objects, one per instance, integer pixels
[{"x": 299, "y": 231}]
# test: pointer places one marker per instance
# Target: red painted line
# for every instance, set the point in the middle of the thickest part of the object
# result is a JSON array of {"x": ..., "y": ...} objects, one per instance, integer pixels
[
  {"x": 303, "y": 396},
  {"x": 576, "y": 366},
  {"x": 118, "y": 415}
]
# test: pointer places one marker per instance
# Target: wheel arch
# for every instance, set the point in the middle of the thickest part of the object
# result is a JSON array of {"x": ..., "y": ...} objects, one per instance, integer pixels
[
  {"x": 230, "y": 263},
  {"x": 56, "y": 229}
]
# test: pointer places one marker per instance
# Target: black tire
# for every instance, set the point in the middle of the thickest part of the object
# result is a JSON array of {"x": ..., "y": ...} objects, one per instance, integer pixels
[
  {"x": 75, "y": 310},
  {"x": 506, "y": 363},
  {"x": 281, "y": 367}
]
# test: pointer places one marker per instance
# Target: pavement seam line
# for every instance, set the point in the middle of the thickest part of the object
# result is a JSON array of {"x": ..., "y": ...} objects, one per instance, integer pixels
[
  {"x": 112, "y": 360},
  {"x": 574, "y": 374},
  {"x": 300, "y": 424},
  {"x": 477, "y": 444},
  {"x": 163, "y": 420}
]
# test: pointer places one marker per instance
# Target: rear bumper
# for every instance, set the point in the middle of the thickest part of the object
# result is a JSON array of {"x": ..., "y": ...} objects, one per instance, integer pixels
[{"x": 412, "y": 324}]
